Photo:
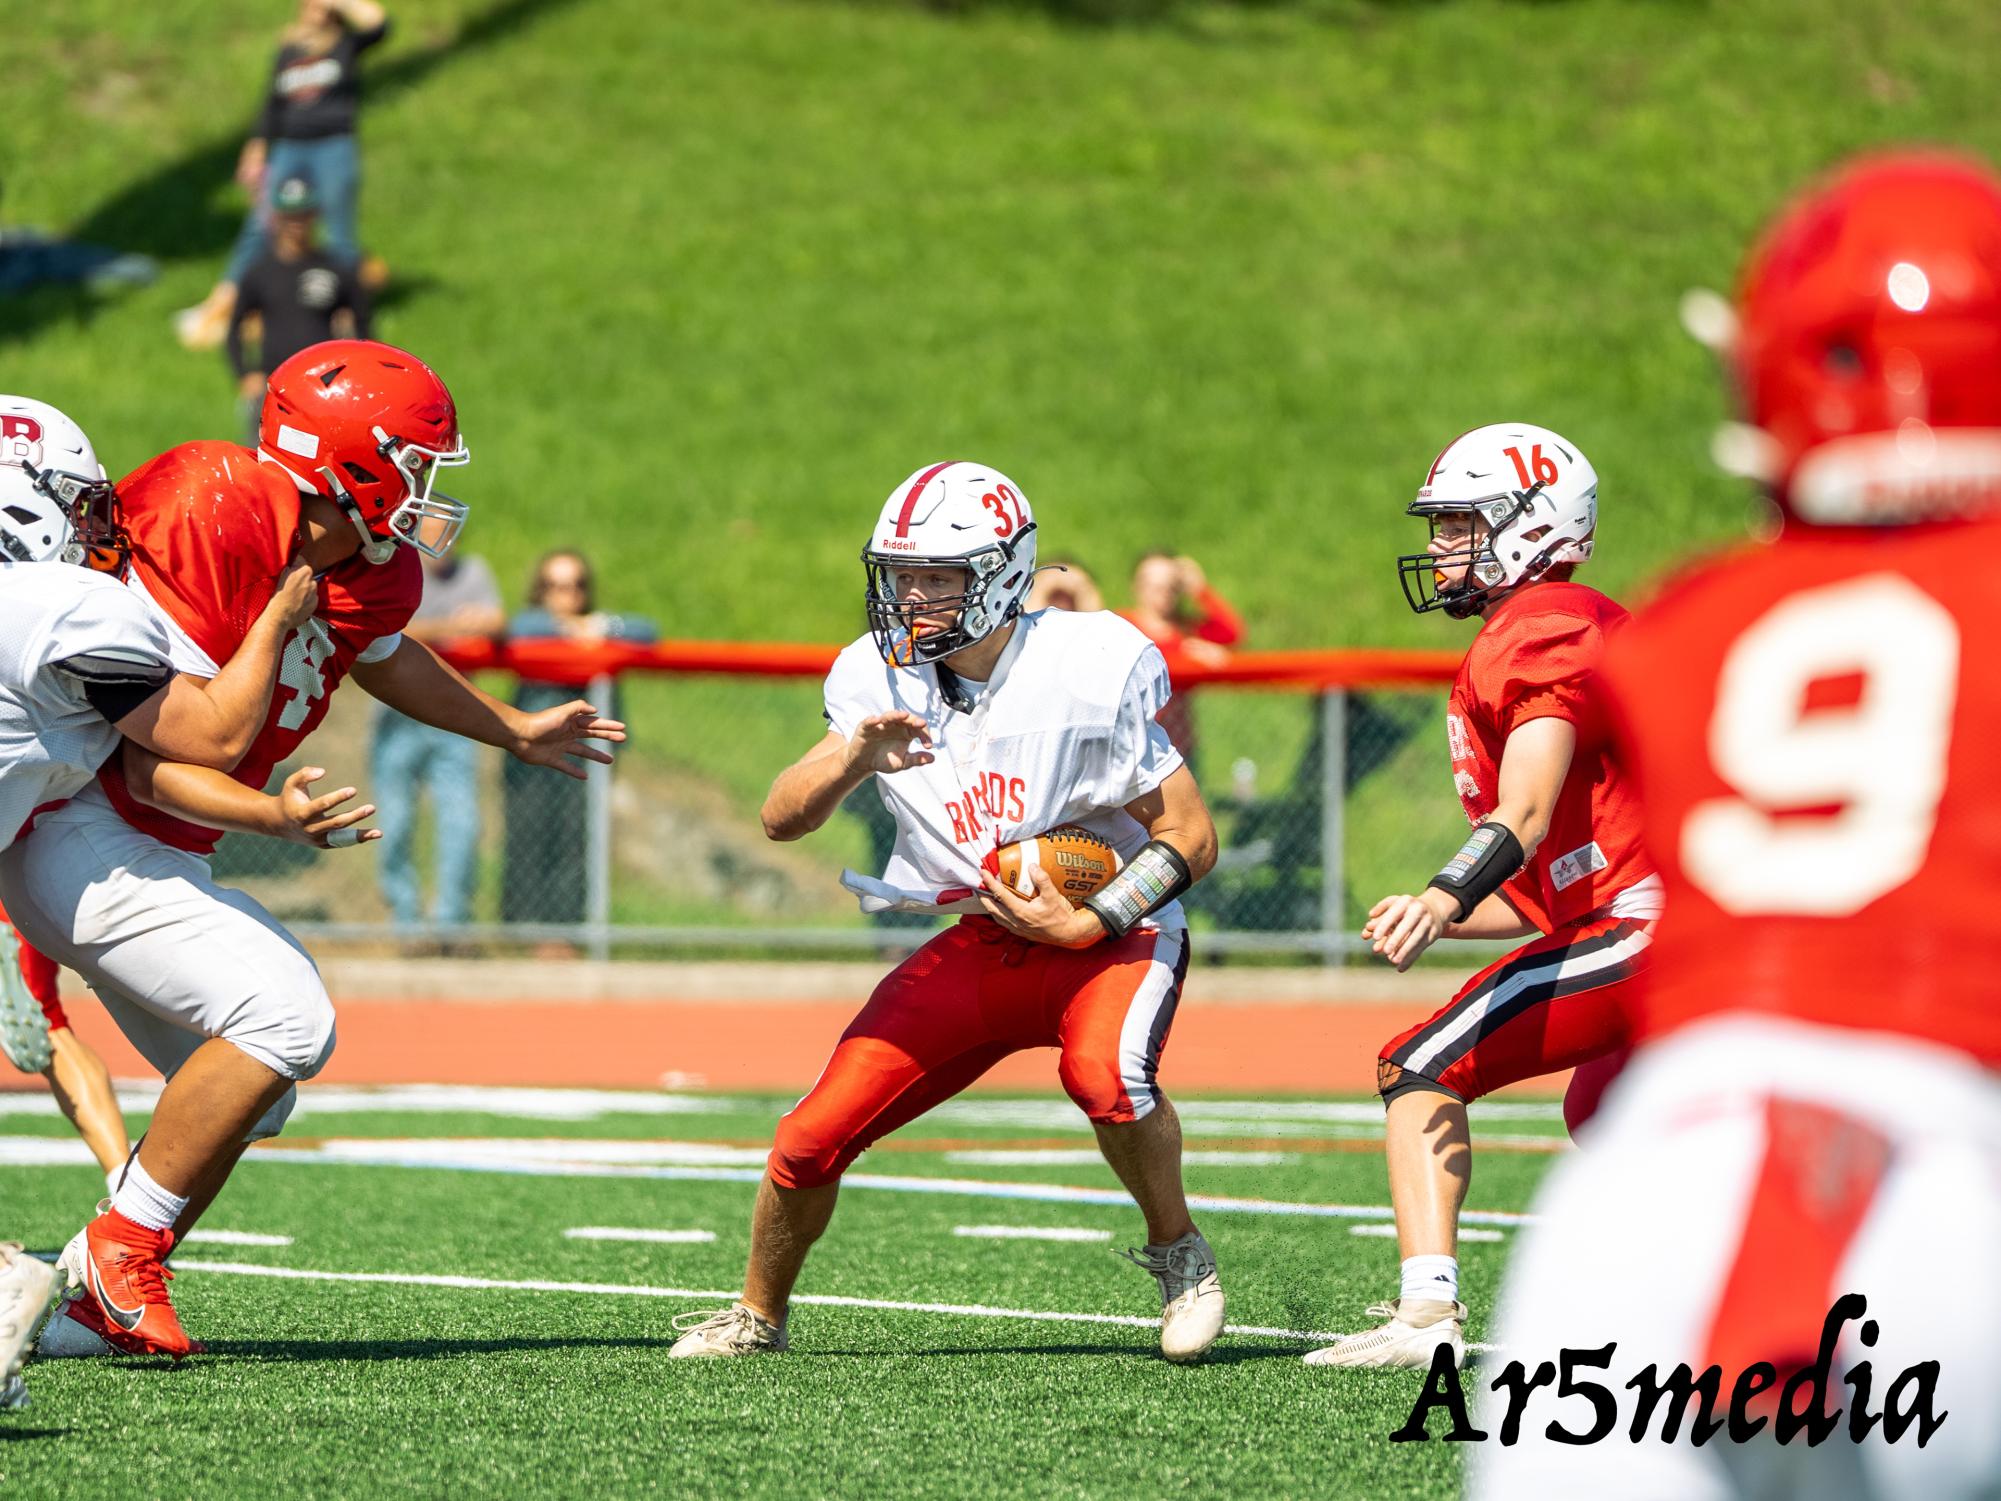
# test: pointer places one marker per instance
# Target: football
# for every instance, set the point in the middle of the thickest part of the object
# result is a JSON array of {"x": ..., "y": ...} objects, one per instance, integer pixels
[{"x": 1078, "y": 861}]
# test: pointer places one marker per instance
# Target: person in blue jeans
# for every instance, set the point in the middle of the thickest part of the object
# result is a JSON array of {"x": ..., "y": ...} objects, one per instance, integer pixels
[
  {"x": 305, "y": 129},
  {"x": 409, "y": 760}
]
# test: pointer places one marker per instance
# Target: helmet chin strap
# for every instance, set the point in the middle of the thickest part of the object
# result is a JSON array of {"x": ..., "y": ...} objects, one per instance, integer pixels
[{"x": 377, "y": 550}]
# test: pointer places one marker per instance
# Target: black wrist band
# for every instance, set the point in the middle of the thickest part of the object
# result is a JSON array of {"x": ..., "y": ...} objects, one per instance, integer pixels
[
  {"x": 1150, "y": 880},
  {"x": 1489, "y": 856}
]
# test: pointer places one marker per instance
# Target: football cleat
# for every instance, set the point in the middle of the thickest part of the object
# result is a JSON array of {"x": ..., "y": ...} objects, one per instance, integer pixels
[
  {"x": 1414, "y": 1329},
  {"x": 72, "y": 1333},
  {"x": 29, "y": 1288},
  {"x": 1191, "y": 1294},
  {"x": 726, "y": 1331},
  {"x": 13, "y": 1393},
  {"x": 24, "y": 1031},
  {"x": 120, "y": 1271}
]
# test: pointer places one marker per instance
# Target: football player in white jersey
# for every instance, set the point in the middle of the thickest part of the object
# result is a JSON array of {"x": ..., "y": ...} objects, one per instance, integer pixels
[
  {"x": 987, "y": 726},
  {"x": 83, "y": 662}
]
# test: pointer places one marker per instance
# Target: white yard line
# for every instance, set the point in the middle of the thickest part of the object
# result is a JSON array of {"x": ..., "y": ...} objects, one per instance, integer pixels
[
  {"x": 652, "y": 1237},
  {"x": 462, "y": 1157},
  {"x": 822, "y": 1300},
  {"x": 1388, "y": 1232},
  {"x": 1090, "y": 1157},
  {"x": 1030, "y": 1232},
  {"x": 199, "y": 1236}
]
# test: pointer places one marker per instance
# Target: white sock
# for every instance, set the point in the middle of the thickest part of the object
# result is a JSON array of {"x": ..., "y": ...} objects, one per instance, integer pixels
[
  {"x": 144, "y": 1202},
  {"x": 111, "y": 1181},
  {"x": 1431, "y": 1278}
]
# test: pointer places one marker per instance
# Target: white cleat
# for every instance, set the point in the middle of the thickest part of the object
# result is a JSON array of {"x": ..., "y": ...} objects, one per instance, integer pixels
[
  {"x": 726, "y": 1331},
  {"x": 28, "y": 1292},
  {"x": 1191, "y": 1294},
  {"x": 24, "y": 1031},
  {"x": 1415, "y": 1329}
]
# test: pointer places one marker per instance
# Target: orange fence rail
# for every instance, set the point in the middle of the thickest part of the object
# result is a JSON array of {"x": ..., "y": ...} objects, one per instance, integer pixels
[{"x": 560, "y": 661}]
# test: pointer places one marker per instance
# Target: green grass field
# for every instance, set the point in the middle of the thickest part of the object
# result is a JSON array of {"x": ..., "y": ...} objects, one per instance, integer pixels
[
  {"x": 708, "y": 279},
  {"x": 371, "y": 1380}
]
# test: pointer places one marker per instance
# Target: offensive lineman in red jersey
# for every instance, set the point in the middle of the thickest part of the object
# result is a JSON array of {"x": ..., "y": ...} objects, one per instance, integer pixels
[
  {"x": 1812, "y": 1110},
  {"x": 205, "y": 983},
  {"x": 1554, "y": 851}
]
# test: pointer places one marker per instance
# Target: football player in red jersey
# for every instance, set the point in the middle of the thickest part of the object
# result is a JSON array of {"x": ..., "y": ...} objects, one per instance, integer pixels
[
  {"x": 1554, "y": 852},
  {"x": 203, "y": 981},
  {"x": 1811, "y": 1112}
]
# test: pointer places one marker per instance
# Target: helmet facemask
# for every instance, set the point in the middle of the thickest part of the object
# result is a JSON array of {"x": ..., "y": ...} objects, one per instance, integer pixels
[
  {"x": 1484, "y": 574},
  {"x": 87, "y": 505},
  {"x": 996, "y": 581},
  {"x": 418, "y": 466}
]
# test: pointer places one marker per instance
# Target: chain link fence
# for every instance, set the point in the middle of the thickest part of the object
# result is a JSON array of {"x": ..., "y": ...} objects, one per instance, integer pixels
[{"x": 1323, "y": 800}]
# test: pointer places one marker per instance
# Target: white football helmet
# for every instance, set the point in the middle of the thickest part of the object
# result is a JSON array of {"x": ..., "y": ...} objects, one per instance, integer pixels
[
  {"x": 46, "y": 466},
  {"x": 953, "y": 515},
  {"x": 1538, "y": 497}
]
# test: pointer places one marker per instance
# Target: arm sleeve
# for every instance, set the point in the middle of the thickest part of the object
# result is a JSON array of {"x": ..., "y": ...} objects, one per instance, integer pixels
[
  {"x": 1141, "y": 755},
  {"x": 111, "y": 651},
  {"x": 1549, "y": 672},
  {"x": 381, "y": 649},
  {"x": 267, "y": 112},
  {"x": 1220, "y": 623}
]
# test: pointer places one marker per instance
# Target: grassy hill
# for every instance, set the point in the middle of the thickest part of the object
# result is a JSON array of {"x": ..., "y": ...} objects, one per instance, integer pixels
[{"x": 709, "y": 278}]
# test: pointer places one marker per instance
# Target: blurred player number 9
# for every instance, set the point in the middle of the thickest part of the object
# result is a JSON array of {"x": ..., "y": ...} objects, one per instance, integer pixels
[{"x": 1882, "y": 761}]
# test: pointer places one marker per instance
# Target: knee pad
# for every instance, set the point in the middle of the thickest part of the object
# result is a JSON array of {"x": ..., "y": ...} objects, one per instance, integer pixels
[
  {"x": 1099, "y": 1091},
  {"x": 273, "y": 1120},
  {"x": 1393, "y": 1079},
  {"x": 804, "y": 1156}
]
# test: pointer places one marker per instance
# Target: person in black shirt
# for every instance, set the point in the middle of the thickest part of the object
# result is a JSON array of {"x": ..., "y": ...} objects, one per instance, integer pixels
[
  {"x": 301, "y": 293},
  {"x": 306, "y": 128}
]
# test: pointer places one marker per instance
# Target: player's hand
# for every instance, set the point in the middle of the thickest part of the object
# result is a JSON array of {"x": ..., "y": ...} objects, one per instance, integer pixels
[
  {"x": 1402, "y": 927},
  {"x": 1193, "y": 579},
  {"x": 312, "y": 820},
  {"x": 296, "y": 596},
  {"x": 881, "y": 743},
  {"x": 560, "y": 737},
  {"x": 1048, "y": 917}
]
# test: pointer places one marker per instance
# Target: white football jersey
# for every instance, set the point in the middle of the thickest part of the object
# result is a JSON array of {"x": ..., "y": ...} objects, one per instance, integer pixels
[
  {"x": 1063, "y": 733},
  {"x": 61, "y": 627}
]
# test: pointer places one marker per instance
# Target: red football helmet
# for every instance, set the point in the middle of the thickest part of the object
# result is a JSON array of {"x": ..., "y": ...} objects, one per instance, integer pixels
[
  {"x": 1867, "y": 347},
  {"x": 368, "y": 426}
]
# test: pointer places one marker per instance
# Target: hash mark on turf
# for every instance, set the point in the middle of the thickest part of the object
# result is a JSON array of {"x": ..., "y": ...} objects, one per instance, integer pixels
[
  {"x": 654, "y": 1237},
  {"x": 1029, "y": 1232}
]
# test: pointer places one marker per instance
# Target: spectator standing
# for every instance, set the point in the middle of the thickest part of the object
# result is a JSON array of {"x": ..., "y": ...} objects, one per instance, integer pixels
[
  {"x": 300, "y": 294},
  {"x": 305, "y": 129},
  {"x": 542, "y": 871},
  {"x": 406, "y": 758},
  {"x": 1178, "y": 611}
]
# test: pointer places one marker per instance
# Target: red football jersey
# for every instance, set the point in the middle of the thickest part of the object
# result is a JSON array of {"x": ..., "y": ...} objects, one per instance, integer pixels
[
  {"x": 210, "y": 528},
  {"x": 1813, "y": 728},
  {"x": 1537, "y": 657}
]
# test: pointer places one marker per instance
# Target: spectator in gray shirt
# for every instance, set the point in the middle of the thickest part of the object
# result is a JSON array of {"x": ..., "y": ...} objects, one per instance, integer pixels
[{"x": 407, "y": 758}]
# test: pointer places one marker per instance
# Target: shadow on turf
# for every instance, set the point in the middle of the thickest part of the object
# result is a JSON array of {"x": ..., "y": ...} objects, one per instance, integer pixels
[{"x": 177, "y": 211}]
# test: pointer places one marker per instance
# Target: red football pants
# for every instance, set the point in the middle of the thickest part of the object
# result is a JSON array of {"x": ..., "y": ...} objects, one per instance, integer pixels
[
  {"x": 1554, "y": 1003},
  {"x": 40, "y": 972},
  {"x": 966, "y": 1000}
]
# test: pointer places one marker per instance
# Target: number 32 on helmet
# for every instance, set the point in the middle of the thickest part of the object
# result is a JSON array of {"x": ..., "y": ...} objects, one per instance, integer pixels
[{"x": 950, "y": 515}]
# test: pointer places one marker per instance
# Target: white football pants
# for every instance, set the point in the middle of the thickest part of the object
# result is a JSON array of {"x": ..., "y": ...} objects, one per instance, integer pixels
[
  {"x": 176, "y": 957},
  {"x": 1639, "y": 1238}
]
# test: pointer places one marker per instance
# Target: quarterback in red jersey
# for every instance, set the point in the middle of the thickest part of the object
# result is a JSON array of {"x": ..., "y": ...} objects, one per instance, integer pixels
[
  {"x": 1811, "y": 1115},
  {"x": 207, "y": 985},
  {"x": 1555, "y": 851}
]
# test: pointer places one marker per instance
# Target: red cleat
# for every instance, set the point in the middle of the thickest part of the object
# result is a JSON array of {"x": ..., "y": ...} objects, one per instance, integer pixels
[{"x": 123, "y": 1279}]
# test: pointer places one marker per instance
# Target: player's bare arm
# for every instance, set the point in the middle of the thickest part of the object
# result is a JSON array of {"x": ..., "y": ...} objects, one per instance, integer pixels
[
  {"x": 807, "y": 792},
  {"x": 1173, "y": 813},
  {"x": 1534, "y": 763},
  {"x": 416, "y": 681},
  {"x": 207, "y": 797},
  {"x": 212, "y": 721}
]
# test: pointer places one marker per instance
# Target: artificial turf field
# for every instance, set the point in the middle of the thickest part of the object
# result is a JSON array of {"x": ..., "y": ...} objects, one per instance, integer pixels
[{"x": 369, "y": 1355}]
